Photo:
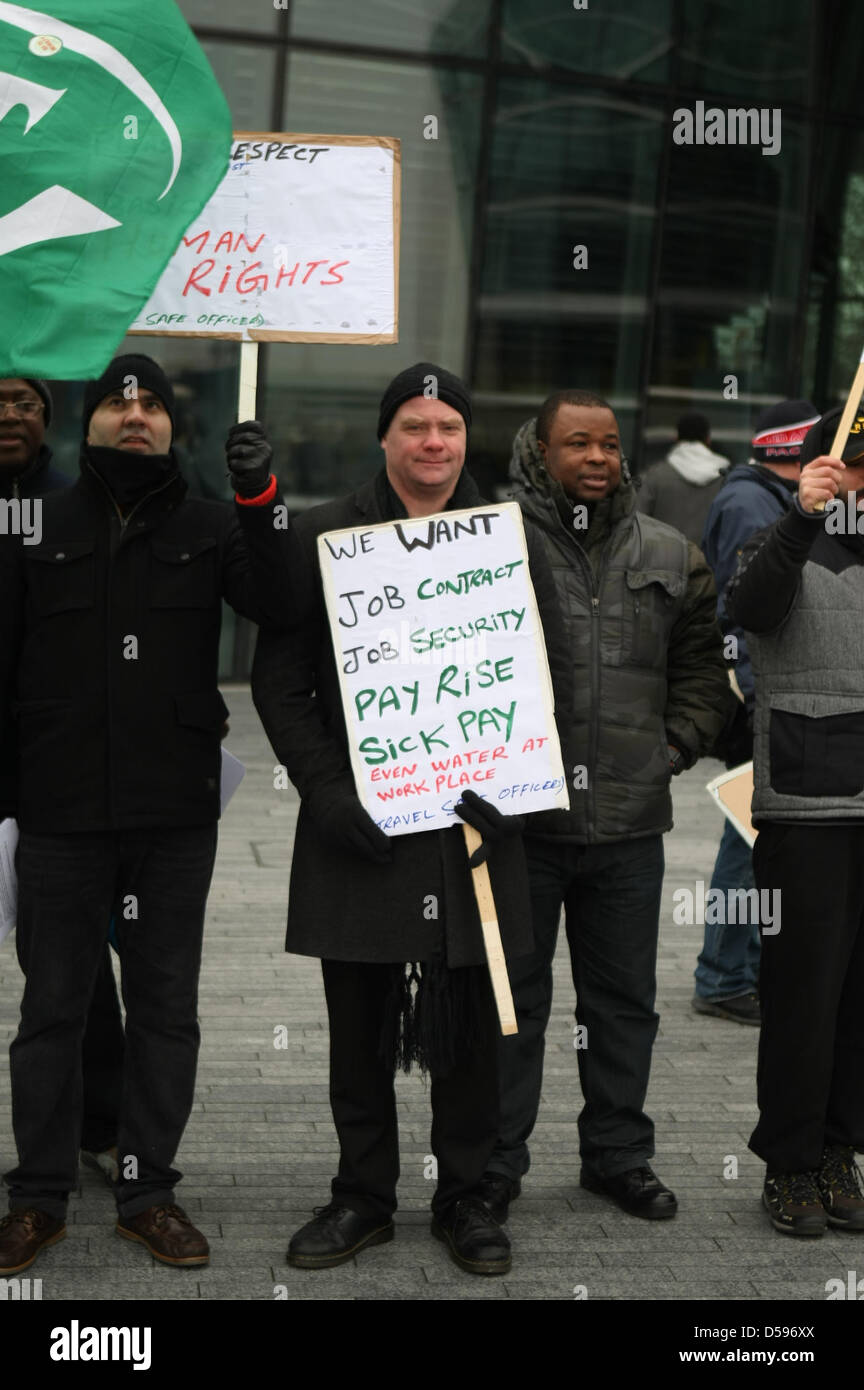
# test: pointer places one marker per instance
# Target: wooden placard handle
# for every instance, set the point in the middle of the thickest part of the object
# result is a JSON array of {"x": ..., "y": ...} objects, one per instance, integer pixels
[
  {"x": 247, "y": 390},
  {"x": 856, "y": 391},
  {"x": 491, "y": 936}
]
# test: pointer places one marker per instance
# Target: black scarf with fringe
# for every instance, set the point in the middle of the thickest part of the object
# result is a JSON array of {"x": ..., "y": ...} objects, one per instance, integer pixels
[{"x": 431, "y": 1012}]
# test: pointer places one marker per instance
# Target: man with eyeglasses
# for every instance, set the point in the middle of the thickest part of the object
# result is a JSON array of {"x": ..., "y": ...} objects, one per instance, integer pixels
[
  {"x": 799, "y": 594},
  {"x": 26, "y": 473},
  {"x": 25, "y": 459}
]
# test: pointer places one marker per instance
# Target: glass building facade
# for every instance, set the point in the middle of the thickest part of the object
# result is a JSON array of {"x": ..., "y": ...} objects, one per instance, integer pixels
[{"x": 713, "y": 276}]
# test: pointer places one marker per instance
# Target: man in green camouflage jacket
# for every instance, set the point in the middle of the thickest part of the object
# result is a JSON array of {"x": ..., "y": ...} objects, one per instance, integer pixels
[{"x": 650, "y": 696}]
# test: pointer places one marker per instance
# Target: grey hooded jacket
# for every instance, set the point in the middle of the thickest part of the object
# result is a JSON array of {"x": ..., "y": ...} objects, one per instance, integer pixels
[
  {"x": 799, "y": 593},
  {"x": 639, "y": 604}
]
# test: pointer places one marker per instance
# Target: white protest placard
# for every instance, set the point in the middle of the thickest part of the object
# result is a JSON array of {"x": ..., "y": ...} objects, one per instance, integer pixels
[
  {"x": 733, "y": 792},
  {"x": 231, "y": 775},
  {"x": 442, "y": 665},
  {"x": 8, "y": 877},
  {"x": 299, "y": 243}
]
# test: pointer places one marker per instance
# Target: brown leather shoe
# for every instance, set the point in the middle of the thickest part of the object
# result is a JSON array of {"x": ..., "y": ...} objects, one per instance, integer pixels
[
  {"x": 168, "y": 1234},
  {"x": 23, "y": 1233}
]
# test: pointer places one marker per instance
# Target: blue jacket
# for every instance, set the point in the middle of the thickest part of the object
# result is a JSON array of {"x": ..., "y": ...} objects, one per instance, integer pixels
[{"x": 751, "y": 497}]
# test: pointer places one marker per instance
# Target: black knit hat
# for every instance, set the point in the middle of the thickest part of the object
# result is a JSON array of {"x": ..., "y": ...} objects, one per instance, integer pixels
[
  {"x": 424, "y": 379},
  {"x": 780, "y": 431},
  {"x": 819, "y": 439},
  {"x": 693, "y": 426},
  {"x": 147, "y": 373},
  {"x": 41, "y": 389}
]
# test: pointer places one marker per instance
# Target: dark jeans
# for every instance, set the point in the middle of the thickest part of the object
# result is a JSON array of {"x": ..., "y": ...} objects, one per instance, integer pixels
[
  {"x": 611, "y": 898},
  {"x": 102, "y": 1062},
  {"x": 810, "y": 1074},
  {"x": 68, "y": 885},
  {"x": 363, "y": 1101},
  {"x": 729, "y": 962}
]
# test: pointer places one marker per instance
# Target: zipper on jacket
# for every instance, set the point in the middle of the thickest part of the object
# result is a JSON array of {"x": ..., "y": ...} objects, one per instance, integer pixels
[
  {"x": 594, "y": 587},
  {"x": 594, "y": 720},
  {"x": 113, "y": 547}
]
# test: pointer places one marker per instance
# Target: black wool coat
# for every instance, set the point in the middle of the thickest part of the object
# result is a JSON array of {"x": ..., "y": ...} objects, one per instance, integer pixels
[
  {"x": 109, "y": 650},
  {"x": 341, "y": 905}
]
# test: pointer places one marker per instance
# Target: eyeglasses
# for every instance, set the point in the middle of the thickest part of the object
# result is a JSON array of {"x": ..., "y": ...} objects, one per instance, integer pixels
[{"x": 26, "y": 409}]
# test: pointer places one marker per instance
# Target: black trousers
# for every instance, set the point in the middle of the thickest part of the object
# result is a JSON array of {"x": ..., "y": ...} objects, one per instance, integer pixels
[
  {"x": 611, "y": 897},
  {"x": 363, "y": 1101},
  {"x": 68, "y": 885},
  {"x": 810, "y": 1075},
  {"x": 102, "y": 1062}
]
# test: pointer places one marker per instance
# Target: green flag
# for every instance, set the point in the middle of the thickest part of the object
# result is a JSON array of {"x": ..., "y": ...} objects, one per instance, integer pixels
[{"x": 113, "y": 135}]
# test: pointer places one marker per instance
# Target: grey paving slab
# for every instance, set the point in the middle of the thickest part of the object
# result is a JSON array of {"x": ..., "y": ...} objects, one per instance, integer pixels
[{"x": 259, "y": 1149}]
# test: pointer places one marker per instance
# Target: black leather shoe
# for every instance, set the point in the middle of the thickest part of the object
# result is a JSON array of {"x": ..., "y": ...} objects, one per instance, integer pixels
[
  {"x": 741, "y": 1008},
  {"x": 334, "y": 1236},
  {"x": 474, "y": 1238},
  {"x": 638, "y": 1191},
  {"x": 497, "y": 1192}
]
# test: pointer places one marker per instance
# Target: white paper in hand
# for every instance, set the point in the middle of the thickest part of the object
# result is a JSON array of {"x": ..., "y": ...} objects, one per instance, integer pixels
[
  {"x": 233, "y": 773},
  {"x": 8, "y": 877}
]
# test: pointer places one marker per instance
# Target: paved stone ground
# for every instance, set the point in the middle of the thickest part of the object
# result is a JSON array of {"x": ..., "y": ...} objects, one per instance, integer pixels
[{"x": 260, "y": 1147}]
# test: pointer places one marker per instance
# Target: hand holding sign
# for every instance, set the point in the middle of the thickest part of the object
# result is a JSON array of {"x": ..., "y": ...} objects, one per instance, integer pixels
[
  {"x": 488, "y": 822},
  {"x": 856, "y": 390}
]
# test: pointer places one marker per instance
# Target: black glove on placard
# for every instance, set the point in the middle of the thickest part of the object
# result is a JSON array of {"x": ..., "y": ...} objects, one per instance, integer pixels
[
  {"x": 347, "y": 823},
  {"x": 249, "y": 456},
  {"x": 488, "y": 820}
]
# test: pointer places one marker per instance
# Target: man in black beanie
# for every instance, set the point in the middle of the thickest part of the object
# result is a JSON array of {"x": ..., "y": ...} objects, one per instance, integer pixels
[
  {"x": 109, "y": 645},
  {"x": 27, "y": 473},
  {"x": 357, "y": 895}
]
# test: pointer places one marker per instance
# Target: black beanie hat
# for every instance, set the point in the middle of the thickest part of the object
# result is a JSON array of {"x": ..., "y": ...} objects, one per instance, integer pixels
[
  {"x": 693, "y": 426},
  {"x": 424, "y": 379},
  {"x": 780, "y": 430},
  {"x": 41, "y": 389},
  {"x": 819, "y": 439},
  {"x": 147, "y": 373}
]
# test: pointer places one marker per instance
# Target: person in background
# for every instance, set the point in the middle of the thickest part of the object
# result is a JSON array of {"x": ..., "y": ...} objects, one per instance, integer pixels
[{"x": 680, "y": 488}]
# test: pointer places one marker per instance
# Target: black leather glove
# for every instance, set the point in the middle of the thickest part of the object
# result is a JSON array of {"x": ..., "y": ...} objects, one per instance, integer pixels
[
  {"x": 346, "y": 823},
  {"x": 249, "y": 456},
  {"x": 677, "y": 761},
  {"x": 488, "y": 820}
]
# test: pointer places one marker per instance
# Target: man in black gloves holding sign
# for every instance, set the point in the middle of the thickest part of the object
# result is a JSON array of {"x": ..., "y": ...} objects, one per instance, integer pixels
[
  {"x": 108, "y": 668},
  {"x": 388, "y": 914}
]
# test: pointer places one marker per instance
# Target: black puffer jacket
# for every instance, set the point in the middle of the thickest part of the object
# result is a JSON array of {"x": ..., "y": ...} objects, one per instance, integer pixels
[
  {"x": 647, "y": 666},
  {"x": 109, "y": 648}
]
